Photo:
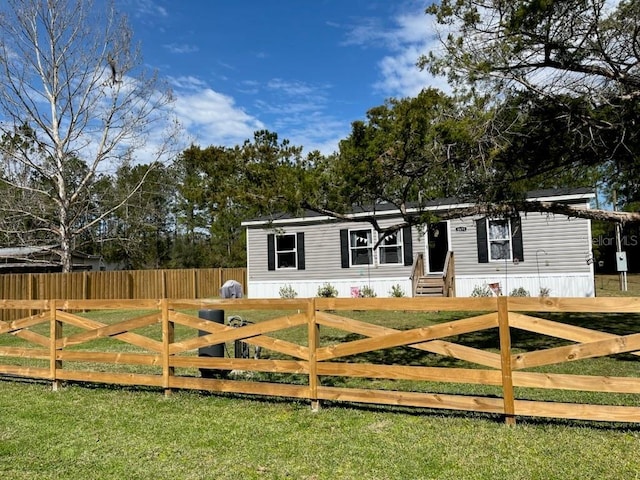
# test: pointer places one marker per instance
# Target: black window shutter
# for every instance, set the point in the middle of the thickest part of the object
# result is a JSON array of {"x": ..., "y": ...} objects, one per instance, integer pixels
[
  {"x": 481, "y": 238},
  {"x": 300, "y": 248},
  {"x": 516, "y": 235},
  {"x": 271, "y": 251},
  {"x": 407, "y": 246},
  {"x": 344, "y": 248}
]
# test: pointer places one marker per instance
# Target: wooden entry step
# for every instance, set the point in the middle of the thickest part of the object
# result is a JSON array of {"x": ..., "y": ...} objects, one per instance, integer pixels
[{"x": 430, "y": 286}]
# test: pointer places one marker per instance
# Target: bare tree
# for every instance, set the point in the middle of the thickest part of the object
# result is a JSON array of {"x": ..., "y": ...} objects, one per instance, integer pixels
[{"x": 75, "y": 104}]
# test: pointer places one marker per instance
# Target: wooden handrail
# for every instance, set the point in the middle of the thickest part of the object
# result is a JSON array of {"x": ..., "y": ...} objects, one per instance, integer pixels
[
  {"x": 416, "y": 272},
  {"x": 448, "y": 276}
]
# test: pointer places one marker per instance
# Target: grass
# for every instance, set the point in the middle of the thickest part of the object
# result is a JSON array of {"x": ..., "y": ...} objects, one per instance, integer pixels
[
  {"x": 609, "y": 285},
  {"x": 113, "y": 433},
  {"x": 104, "y": 432}
]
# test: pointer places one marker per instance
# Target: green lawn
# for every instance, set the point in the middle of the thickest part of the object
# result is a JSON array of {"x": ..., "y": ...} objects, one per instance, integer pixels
[
  {"x": 609, "y": 286},
  {"x": 111, "y": 433},
  {"x": 105, "y": 432}
]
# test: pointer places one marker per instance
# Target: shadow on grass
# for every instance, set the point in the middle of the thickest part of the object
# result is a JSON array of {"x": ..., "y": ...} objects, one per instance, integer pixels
[
  {"x": 489, "y": 340},
  {"x": 301, "y": 404}
]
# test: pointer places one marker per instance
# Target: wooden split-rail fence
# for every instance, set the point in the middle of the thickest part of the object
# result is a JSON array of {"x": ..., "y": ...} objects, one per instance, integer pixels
[{"x": 504, "y": 355}]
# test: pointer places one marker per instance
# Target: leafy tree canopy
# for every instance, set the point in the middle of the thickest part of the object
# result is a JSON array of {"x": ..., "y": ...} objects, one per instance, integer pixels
[{"x": 567, "y": 73}]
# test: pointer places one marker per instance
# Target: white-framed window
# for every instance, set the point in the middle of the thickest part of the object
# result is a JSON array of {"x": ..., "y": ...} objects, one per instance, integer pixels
[
  {"x": 286, "y": 251},
  {"x": 361, "y": 247},
  {"x": 390, "y": 250},
  {"x": 356, "y": 248},
  {"x": 499, "y": 239}
]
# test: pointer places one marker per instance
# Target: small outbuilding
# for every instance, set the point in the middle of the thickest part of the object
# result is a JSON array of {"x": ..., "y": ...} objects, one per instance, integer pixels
[{"x": 43, "y": 259}]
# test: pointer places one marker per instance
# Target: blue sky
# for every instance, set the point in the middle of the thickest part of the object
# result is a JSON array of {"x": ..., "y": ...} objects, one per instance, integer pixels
[{"x": 304, "y": 69}]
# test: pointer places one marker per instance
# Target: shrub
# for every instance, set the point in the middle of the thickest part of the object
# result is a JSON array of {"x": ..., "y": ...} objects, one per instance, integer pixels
[
  {"x": 396, "y": 291},
  {"x": 519, "y": 292},
  {"x": 544, "y": 292},
  {"x": 482, "y": 291},
  {"x": 287, "y": 291},
  {"x": 327, "y": 290},
  {"x": 367, "y": 292}
]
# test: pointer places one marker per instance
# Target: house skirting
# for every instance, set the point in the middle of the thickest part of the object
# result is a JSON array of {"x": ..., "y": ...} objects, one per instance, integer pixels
[
  {"x": 345, "y": 287},
  {"x": 559, "y": 285}
]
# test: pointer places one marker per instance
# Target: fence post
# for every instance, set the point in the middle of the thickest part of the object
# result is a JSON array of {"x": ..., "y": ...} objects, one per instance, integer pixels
[
  {"x": 85, "y": 285},
  {"x": 505, "y": 360},
  {"x": 55, "y": 332},
  {"x": 167, "y": 339},
  {"x": 30, "y": 288},
  {"x": 130, "y": 285},
  {"x": 195, "y": 283},
  {"x": 314, "y": 343}
]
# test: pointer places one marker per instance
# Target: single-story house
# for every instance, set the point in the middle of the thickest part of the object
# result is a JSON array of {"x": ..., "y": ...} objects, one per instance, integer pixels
[
  {"x": 42, "y": 259},
  {"x": 537, "y": 252}
]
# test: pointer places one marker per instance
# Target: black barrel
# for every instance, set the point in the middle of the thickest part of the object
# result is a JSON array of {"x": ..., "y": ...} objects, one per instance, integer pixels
[{"x": 216, "y": 350}]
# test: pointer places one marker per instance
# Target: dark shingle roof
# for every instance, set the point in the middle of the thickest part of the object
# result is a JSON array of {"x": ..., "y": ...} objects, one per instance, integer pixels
[{"x": 436, "y": 204}]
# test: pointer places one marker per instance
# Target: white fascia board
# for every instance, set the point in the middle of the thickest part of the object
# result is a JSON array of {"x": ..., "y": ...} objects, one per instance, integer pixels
[
  {"x": 559, "y": 198},
  {"x": 326, "y": 218},
  {"x": 285, "y": 221},
  {"x": 386, "y": 213}
]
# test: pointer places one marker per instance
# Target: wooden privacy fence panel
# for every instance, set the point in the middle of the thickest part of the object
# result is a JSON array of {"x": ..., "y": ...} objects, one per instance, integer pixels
[
  {"x": 106, "y": 285},
  {"x": 148, "y": 283},
  {"x": 495, "y": 355},
  {"x": 14, "y": 286},
  {"x": 118, "y": 284}
]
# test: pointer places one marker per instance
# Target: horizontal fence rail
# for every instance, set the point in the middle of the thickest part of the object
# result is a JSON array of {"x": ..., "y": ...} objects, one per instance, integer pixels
[{"x": 507, "y": 356}]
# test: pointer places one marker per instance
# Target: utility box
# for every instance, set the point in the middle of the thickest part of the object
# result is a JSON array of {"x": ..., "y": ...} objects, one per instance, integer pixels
[
  {"x": 216, "y": 350},
  {"x": 621, "y": 261}
]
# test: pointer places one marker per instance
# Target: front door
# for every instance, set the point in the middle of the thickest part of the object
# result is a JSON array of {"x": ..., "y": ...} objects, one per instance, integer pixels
[{"x": 437, "y": 246}]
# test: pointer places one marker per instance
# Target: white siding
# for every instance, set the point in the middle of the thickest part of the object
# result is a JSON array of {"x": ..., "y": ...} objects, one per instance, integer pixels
[
  {"x": 558, "y": 285},
  {"x": 309, "y": 288}
]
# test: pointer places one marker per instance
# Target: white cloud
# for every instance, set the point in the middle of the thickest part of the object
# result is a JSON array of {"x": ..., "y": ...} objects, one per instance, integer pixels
[
  {"x": 319, "y": 132},
  {"x": 412, "y": 34},
  {"x": 367, "y": 32},
  {"x": 149, "y": 8},
  {"x": 292, "y": 87},
  {"x": 295, "y": 110},
  {"x": 187, "y": 83},
  {"x": 293, "y": 101},
  {"x": 181, "y": 48},
  {"x": 402, "y": 77},
  {"x": 300, "y": 109},
  {"x": 249, "y": 87},
  {"x": 213, "y": 118}
]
